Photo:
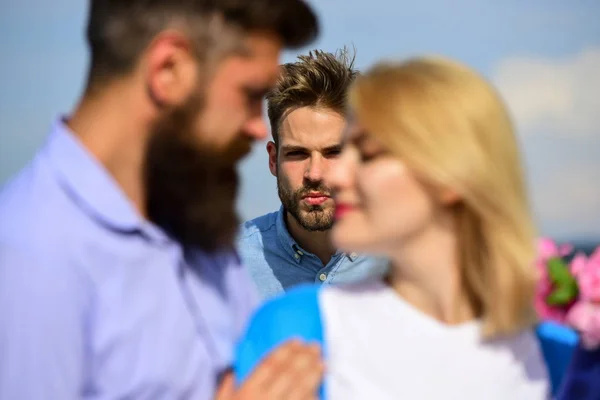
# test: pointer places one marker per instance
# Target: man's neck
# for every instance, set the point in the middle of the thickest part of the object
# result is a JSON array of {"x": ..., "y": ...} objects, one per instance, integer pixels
[
  {"x": 317, "y": 243},
  {"x": 114, "y": 131}
]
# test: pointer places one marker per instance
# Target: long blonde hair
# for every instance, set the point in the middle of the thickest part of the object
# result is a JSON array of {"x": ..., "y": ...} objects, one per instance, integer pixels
[{"x": 451, "y": 128}]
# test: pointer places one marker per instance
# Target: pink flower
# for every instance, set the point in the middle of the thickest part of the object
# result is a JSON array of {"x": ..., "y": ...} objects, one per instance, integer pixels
[
  {"x": 587, "y": 273},
  {"x": 585, "y": 318},
  {"x": 547, "y": 249},
  {"x": 595, "y": 256},
  {"x": 578, "y": 264},
  {"x": 582, "y": 313}
]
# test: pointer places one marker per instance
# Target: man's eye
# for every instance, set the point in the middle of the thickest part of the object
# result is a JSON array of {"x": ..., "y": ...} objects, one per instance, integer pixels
[{"x": 295, "y": 153}]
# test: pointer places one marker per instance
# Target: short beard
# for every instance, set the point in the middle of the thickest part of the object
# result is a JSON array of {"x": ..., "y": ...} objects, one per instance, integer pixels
[
  {"x": 190, "y": 190},
  {"x": 317, "y": 218}
]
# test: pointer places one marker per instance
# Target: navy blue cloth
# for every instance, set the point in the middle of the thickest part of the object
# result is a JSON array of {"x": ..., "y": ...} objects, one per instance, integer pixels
[{"x": 582, "y": 378}]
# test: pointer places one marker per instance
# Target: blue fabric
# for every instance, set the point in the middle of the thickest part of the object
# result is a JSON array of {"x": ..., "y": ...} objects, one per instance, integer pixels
[
  {"x": 297, "y": 314},
  {"x": 557, "y": 343},
  {"x": 582, "y": 378},
  {"x": 293, "y": 315},
  {"x": 276, "y": 262},
  {"x": 98, "y": 303}
]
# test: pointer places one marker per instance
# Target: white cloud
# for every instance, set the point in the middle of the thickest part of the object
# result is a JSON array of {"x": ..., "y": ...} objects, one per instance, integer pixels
[
  {"x": 550, "y": 95},
  {"x": 568, "y": 205},
  {"x": 556, "y": 106}
]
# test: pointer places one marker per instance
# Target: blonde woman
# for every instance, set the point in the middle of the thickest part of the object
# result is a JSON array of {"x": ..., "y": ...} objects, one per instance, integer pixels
[{"x": 431, "y": 178}]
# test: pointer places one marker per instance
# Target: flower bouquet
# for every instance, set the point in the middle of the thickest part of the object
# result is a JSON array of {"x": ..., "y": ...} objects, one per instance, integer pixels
[{"x": 568, "y": 293}]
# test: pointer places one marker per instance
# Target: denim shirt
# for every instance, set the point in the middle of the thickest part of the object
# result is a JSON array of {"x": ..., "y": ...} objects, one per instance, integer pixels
[{"x": 276, "y": 262}]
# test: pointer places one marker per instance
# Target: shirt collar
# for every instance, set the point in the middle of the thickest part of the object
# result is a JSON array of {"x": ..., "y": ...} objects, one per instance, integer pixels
[
  {"x": 92, "y": 187},
  {"x": 290, "y": 245}
]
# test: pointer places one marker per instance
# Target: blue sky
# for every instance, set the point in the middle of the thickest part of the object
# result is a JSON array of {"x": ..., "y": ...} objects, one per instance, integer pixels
[{"x": 544, "y": 55}]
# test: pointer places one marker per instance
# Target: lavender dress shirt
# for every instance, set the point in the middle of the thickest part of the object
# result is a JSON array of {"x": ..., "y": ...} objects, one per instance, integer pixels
[{"x": 96, "y": 302}]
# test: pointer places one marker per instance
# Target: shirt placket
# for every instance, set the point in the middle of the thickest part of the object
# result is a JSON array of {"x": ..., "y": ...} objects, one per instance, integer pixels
[
  {"x": 198, "y": 318},
  {"x": 326, "y": 273}
]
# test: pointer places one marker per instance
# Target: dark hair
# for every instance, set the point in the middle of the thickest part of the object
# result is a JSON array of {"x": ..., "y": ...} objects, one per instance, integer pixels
[
  {"x": 319, "y": 79},
  {"x": 118, "y": 31}
]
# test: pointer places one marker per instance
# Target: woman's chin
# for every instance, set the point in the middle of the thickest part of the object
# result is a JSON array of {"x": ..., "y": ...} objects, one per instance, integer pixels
[{"x": 348, "y": 238}]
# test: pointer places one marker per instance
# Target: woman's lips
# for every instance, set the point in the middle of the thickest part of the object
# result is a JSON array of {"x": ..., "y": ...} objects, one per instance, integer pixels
[{"x": 342, "y": 209}]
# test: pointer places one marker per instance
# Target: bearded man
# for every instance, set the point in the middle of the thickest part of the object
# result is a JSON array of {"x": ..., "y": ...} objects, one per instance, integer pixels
[
  {"x": 307, "y": 116},
  {"x": 118, "y": 278}
]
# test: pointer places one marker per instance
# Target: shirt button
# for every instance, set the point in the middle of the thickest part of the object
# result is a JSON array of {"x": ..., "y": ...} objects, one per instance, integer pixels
[
  {"x": 297, "y": 256},
  {"x": 322, "y": 277}
]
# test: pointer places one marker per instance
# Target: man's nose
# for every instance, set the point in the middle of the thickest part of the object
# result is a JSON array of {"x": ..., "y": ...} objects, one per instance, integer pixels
[{"x": 315, "y": 169}]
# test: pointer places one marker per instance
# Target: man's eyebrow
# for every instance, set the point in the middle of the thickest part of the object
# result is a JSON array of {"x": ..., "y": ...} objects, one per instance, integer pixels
[
  {"x": 291, "y": 147},
  {"x": 335, "y": 147}
]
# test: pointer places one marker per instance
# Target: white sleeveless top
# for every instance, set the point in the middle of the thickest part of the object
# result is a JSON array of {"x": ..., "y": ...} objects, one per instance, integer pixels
[{"x": 379, "y": 347}]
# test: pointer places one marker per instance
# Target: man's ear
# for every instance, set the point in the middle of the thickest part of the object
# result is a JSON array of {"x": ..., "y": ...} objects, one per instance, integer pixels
[
  {"x": 272, "y": 150},
  {"x": 171, "y": 69}
]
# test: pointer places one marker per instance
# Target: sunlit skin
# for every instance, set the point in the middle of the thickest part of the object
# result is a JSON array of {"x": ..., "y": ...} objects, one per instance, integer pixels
[
  {"x": 383, "y": 208},
  {"x": 234, "y": 103},
  {"x": 309, "y": 145},
  {"x": 114, "y": 123}
]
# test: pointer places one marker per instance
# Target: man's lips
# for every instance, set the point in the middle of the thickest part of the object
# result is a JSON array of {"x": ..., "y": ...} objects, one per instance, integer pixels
[{"x": 316, "y": 198}]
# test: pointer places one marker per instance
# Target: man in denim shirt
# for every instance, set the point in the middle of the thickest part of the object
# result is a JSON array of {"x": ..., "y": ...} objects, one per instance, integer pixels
[{"x": 291, "y": 246}]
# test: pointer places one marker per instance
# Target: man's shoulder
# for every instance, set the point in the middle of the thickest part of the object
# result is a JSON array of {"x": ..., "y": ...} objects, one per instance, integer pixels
[
  {"x": 41, "y": 226},
  {"x": 27, "y": 203},
  {"x": 253, "y": 229},
  {"x": 36, "y": 239}
]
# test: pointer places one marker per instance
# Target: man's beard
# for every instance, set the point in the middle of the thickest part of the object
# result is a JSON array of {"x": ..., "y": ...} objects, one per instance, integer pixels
[
  {"x": 190, "y": 189},
  {"x": 317, "y": 218}
]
